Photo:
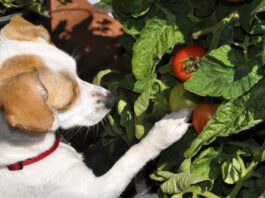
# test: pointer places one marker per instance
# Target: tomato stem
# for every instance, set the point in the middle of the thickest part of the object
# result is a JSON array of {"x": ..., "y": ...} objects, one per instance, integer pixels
[
  {"x": 218, "y": 26},
  {"x": 245, "y": 176},
  {"x": 191, "y": 64}
]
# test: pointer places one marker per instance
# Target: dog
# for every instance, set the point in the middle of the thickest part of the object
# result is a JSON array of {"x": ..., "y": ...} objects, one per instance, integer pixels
[{"x": 40, "y": 91}]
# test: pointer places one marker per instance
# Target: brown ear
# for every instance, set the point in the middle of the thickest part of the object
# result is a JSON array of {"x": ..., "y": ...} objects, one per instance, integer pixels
[
  {"x": 23, "y": 99},
  {"x": 20, "y": 29}
]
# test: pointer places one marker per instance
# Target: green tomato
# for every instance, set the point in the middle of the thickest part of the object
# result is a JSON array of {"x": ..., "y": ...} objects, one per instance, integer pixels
[{"x": 180, "y": 98}]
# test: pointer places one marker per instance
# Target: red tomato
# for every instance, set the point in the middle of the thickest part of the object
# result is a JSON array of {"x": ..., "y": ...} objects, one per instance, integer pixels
[
  {"x": 186, "y": 57},
  {"x": 202, "y": 113}
]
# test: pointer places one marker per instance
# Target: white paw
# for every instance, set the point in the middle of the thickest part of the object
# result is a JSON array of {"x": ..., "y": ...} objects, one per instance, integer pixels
[{"x": 169, "y": 129}]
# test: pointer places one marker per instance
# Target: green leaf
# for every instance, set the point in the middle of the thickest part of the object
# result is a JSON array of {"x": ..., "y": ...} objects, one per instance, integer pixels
[
  {"x": 263, "y": 51},
  {"x": 126, "y": 117},
  {"x": 177, "y": 7},
  {"x": 173, "y": 156},
  {"x": 142, "y": 103},
  {"x": 222, "y": 73},
  {"x": 262, "y": 195},
  {"x": 98, "y": 78},
  {"x": 142, "y": 85},
  {"x": 185, "y": 166},
  {"x": 231, "y": 170},
  {"x": 177, "y": 196},
  {"x": 140, "y": 106},
  {"x": 255, "y": 187},
  {"x": 135, "y": 8},
  {"x": 252, "y": 17},
  {"x": 130, "y": 25},
  {"x": 183, "y": 181},
  {"x": 233, "y": 117},
  {"x": 156, "y": 39},
  {"x": 161, "y": 175},
  {"x": 204, "y": 8},
  {"x": 129, "y": 82},
  {"x": 114, "y": 125},
  {"x": 262, "y": 154},
  {"x": 205, "y": 164}
]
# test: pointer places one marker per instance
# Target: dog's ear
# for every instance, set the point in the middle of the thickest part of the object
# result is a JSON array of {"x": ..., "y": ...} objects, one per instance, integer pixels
[
  {"x": 24, "y": 99},
  {"x": 20, "y": 29}
]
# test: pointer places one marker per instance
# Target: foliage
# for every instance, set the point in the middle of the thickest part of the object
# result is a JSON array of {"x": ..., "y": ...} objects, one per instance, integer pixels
[
  {"x": 37, "y": 6},
  {"x": 226, "y": 159}
]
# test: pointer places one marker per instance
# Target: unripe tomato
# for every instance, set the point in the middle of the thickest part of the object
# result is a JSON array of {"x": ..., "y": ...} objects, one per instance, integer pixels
[
  {"x": 180, "y": 98},
  {"x": 202, "y": 113},
  {"x": 185, "y": 60}
]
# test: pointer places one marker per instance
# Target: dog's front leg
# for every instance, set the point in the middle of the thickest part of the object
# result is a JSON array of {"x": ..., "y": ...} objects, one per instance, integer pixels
[{"x": 165, "y": 132}]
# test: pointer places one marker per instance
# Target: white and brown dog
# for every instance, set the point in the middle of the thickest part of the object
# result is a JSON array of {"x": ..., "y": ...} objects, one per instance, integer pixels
[{"x": 40, "y": 92}]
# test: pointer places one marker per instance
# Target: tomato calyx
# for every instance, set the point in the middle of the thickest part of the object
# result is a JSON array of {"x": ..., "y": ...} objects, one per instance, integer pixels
[
  {"x": 191, "y": 64},
  {"x": 186, "y": 60}
]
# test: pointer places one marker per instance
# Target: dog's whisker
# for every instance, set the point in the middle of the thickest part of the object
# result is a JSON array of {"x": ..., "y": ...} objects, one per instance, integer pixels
[
  {"x": 86, "y": 134},
  {"x": 78, "y": 56},
  {"x": 77, "y": 53},
  {"x": 78, "y": 129},
  {"x": 75, "y": 50}
]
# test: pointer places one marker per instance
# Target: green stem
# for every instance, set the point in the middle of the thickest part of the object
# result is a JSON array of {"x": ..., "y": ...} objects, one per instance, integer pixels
[
  {"x": 215, "y": 39},
  {"x": 195, "y": 190},
  {"x": 245, "y": 176},
  {"x": 194, "y": 195},
  {"x": 209, "y": 194},
  {"x": 170, "y": 16},
  {"x": 245, "y": 46},
  {"x": 263, "y": 51},
  {"x": 218, "y": 26}
]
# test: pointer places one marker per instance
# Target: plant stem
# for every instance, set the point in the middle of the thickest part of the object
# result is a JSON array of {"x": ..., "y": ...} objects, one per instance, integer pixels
[
  {"x": 215, "y": 39},
  {"x": 245, "y": 176},
  {"x": 209, "y": 194},
  {"x": 195, "y": 190},
  {"x": 245, "y": 46},
  {"x": 218, "y": 26},
  {"x": 170, "y": 16}
]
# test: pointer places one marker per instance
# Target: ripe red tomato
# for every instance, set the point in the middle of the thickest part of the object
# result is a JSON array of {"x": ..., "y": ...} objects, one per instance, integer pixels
[
  {"x": 185, "y": 59},
  {"x": 202, "y": 113}
]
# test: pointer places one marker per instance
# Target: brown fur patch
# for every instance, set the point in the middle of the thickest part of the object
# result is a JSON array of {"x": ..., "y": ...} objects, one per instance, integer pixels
[
  {"x": 63, "y": 90},
  {"x": 23, "y": 101},
  {"x": 29, "y": 91},
  {"x": 22, "y": 30},
  {"x": 18, "y": 65}
]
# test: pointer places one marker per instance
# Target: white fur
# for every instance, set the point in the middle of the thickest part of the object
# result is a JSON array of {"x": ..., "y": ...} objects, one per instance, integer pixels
[{"x": 63, "y": 174}]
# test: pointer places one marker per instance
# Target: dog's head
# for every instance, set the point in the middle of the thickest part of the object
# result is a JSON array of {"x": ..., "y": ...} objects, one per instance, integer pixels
[{"x": 39, "y": 87}]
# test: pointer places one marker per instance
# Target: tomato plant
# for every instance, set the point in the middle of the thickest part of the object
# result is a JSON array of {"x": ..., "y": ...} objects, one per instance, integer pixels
[
  {"x": 202, "y": 113},
  {"x": 227, "y": 159},
  {"x": 180, "y": 98},
  {"x": 236, "y": 1},
  {"x": 185, "y": 60}
]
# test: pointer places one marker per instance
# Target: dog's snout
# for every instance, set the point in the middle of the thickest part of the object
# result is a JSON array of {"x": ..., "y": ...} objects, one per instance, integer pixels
[{"x": 110, "y": 101}]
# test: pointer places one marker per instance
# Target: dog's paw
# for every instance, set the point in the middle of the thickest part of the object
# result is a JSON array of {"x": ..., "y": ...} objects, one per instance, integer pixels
[{"x": 170, "y": 128}]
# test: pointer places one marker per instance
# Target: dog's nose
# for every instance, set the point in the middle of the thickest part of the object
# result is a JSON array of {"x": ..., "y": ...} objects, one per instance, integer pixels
[{"x": 110, "y": 101}]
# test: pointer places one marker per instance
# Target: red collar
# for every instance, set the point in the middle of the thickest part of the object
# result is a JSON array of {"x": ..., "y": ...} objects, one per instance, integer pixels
[{"x": 19, "y": 165}]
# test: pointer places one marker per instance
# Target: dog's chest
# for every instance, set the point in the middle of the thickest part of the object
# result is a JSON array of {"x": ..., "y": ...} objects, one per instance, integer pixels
[
  {"x": 42, "y": 178},
  {"x": 24, "y": 184}
]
